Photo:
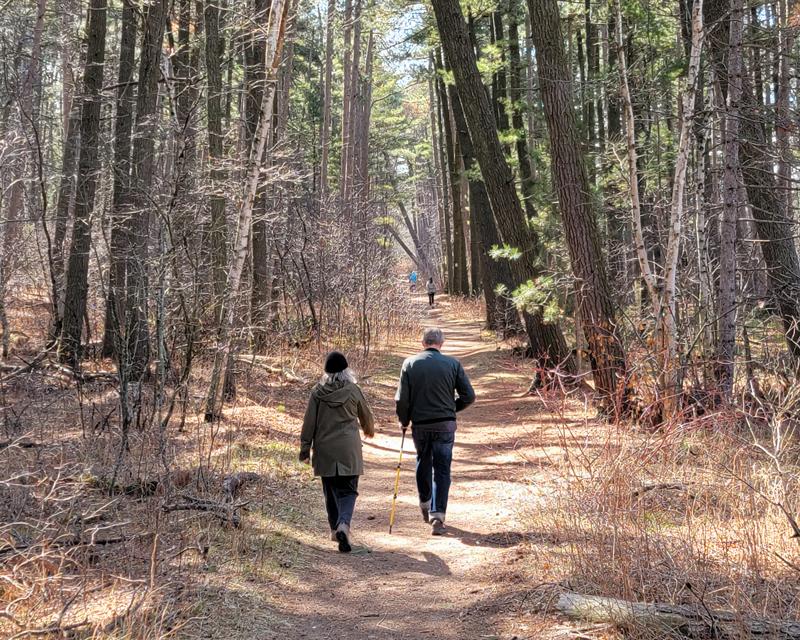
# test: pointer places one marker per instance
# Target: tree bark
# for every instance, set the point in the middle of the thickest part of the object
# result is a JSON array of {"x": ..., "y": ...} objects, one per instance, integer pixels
[
  {"x": 216, "y": 240},
  {"x": 325, "y": 136},
  {"x": 460, "y": 281},
  {"x": 443, "y": 123},
  {"x": 88, "y": 167},
  {"x": 726, "y": 293},
  {"x": 774, "y": 229},
  {"x": 665, "y": 620},
  {"x": 272, "y": 58},
  {"x": 136, "y": 218},
  {"x": 515, "y": 98},
  {"x": 571, "y": 181},
  {"x": 499, "y": 310},
  {"x": 547, "y": 342},
  {"x": 123, "y": 126},
  {"x": 254, "y": 86}
]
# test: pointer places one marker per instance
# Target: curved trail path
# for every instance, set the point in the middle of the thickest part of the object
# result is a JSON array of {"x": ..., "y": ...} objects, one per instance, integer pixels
[{"x": 409, "y": 584}]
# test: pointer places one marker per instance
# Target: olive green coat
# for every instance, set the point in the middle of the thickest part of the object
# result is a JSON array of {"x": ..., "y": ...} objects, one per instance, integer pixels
[{"x": 330, "y": 428}]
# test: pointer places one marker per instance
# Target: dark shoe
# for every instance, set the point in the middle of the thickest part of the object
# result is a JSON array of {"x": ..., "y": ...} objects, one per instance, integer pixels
[
  {"x": 437, "y": 528},
  {"x": 343, "y": 537},
  {"x": 425, "y": 513}
]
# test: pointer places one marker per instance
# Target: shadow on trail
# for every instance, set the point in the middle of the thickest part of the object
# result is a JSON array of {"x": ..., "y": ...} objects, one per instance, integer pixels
[
  {"x": 496, "y": 539},
  {"x": 397, "y": 562}
]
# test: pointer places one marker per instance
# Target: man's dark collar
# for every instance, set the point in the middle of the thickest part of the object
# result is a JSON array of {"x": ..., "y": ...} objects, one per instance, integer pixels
[{"x": 432, "y": 349}]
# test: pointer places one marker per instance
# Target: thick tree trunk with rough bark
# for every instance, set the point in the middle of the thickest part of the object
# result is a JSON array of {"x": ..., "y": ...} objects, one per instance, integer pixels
[
  {"x": 726, "y": 291},
  {"x": 547, "y": 342},
  {"x": 123, "y": 127},
  {"x": 571, "y": 181},
  {"x": 443, "y": 123},
  {"x": 88, "y": 166}
]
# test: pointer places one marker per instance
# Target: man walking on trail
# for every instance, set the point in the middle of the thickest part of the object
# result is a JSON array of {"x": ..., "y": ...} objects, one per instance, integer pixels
[{"x": 433, "y": 388}]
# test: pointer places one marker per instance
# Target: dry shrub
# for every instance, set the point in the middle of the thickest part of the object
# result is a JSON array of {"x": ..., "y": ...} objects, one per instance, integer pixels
[{"x": 694, "y": 513}]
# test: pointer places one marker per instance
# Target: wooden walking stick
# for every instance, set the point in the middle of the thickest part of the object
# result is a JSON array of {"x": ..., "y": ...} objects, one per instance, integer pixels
[{"x": 397, "y": 481}]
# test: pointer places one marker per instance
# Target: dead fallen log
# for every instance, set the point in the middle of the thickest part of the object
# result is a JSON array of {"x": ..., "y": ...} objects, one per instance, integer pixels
[
  {"x": 72, "y": 542},
  {"x": 20, "y": 444},
  {"x": 682, "y": 620},
  {"x": 234, "y": 482},
  {"x": 261, "y": 363},
  {"x": 226, "y": 513}
]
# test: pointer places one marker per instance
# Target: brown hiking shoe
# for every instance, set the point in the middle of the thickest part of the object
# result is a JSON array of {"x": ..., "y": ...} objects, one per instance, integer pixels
[
  {"x": 437, "y": 527},
  {"x": 425, "y": 513},
  {"x": 333, "y": 535}
]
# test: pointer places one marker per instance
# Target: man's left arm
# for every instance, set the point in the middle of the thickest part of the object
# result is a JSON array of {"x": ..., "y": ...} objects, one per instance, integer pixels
[
  {"x": 466, "y": 394},
  {"x": 403, "y": 399}
]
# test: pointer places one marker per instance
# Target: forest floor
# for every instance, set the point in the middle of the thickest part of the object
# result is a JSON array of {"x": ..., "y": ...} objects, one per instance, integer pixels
[
  {"x": 470, "y": 583},
  {"x": 546, "y": 497}
]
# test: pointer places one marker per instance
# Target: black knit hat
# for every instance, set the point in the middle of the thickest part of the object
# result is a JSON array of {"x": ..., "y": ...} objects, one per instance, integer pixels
[{"x": 335, "y": 362}]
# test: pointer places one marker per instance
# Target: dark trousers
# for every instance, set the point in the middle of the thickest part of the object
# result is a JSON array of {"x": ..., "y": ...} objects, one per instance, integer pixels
[
  {"x": 430, "y": 298},
  {"x": 340, "y": 498},
  {"x": 434, "y": 456}
]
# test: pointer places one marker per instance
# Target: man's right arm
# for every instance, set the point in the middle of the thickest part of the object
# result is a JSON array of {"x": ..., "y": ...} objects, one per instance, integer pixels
[{"x": 402, "y": 398}]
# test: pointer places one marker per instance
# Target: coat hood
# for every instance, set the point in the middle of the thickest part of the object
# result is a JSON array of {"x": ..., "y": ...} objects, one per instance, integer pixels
[{"x": 334, "y": 394}]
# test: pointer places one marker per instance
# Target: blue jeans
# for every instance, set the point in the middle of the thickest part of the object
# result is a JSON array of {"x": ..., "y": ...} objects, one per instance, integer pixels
[{"x": 434, "y": 455}]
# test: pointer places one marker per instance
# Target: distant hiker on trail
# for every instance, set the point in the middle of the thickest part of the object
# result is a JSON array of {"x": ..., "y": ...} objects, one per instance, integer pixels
[
  {"x": 412, "y": 279},
  {"x": 426, "y": 398},
  {"x": 431, "y": 287},
  {"x": 335, "y": 409}
]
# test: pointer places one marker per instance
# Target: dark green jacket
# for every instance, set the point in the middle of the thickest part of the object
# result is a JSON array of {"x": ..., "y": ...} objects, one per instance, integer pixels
[
  {"x": 428, "y": 384},
  {"x": 330, "y": 427}
]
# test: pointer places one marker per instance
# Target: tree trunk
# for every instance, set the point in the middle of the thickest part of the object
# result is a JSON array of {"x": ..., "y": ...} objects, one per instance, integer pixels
[
  {"x": 666, "y": 620},
  {"x": 499, "y": 310},
  {"x": 254, "y": 86},
  {"x": 460, "y": 282},
  {"x": 216, "y": 240},
  {"x": 547, "y": 341},
  {"x": 325, "y": 136},
  {"x": 272, "y": 58},
  {"x": 88, "y": 167},
  {"x": 757, "y": 166},
  {"x": 64, "y": 207},
  {"x": 136, "y": 220},
  {"x": 726, "y": 293},
  {"x": 666, "y": 311},
  {"x": 515, "y": 97},
  {"x": 633, "y": 160},
  {"x": 570, "y": 179},
  {"x": 443, "y": 122},
  {"x": 123, "y": 126}
]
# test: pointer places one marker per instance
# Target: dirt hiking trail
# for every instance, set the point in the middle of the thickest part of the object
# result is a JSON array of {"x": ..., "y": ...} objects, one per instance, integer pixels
[{"x": 410, "y": 584}]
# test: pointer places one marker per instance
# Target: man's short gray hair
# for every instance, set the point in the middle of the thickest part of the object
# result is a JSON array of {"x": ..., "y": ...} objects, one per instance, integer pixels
[{"x": 432, "y": 335}]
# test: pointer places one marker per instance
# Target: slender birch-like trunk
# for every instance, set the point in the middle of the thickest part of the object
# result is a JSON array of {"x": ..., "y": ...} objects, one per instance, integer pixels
[
  {"x": 272, "y": 58},
  {"x": 666, "y": 328},
  {"x": 633, "y": 160}
]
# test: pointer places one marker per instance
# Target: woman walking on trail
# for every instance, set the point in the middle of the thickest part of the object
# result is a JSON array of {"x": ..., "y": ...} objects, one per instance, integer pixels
[
  {"x": 335, "y": 410},
  {"x": 431, "y": 291}
]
